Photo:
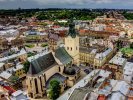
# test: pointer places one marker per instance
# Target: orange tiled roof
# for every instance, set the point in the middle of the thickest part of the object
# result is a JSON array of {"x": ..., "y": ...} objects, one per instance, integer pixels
[
  {"x": 55, "y": 26},
  {"x": 85, "y": 32},
  {"x": 102, "y": 97}
]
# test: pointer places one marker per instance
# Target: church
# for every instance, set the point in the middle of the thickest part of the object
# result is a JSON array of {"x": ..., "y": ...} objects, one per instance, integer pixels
[{"x": 62, "y": 65}]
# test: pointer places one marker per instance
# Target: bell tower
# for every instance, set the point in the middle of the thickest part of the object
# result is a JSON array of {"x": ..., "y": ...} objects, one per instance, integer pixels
[{"x": 72, "y": 42}]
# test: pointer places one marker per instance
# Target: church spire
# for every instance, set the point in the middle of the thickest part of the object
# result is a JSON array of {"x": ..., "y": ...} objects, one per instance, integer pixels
[{"x": 72, "y": 32}]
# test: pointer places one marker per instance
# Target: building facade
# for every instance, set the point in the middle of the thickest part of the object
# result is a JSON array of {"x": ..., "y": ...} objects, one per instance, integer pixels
[
  {"x": 49, "y": 66},
  {"x": 72, "y": 43}
]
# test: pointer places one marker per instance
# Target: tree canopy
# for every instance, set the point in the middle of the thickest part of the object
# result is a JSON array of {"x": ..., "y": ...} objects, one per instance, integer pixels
[
  {"x": 67, "y": 14},
  {"x": 128, "y": 16},
  {"x": 26, "y": 66},
  {"x": 131, "y": 45},
  {"x": 54, "y": 90},
  {"x": 53, "y": 14}
]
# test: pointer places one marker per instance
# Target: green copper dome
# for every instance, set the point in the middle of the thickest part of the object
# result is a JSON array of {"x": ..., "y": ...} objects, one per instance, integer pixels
[{"x": 72, "y": 32}]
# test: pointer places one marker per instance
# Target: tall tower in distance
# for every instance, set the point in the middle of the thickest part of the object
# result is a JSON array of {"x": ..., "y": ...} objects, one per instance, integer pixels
[{"x": 72, "y": 42}]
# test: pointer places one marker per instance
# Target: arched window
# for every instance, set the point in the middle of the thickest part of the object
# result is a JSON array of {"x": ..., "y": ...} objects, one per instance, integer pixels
[
  {"x": 41, "y": 84},
  {"x": 4, "y": 68},
  {"x": 36, "y": 85},
  {"x": 44, "y": 77},
  {"x": 59, "y": 69}
]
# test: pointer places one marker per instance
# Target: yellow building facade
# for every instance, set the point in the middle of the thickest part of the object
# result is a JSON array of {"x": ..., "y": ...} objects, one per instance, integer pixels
[{"x": 90, "y": 59}]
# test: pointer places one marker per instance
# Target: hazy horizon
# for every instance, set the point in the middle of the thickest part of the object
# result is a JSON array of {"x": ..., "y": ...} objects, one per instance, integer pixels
[{"x": 42, "y": 4}]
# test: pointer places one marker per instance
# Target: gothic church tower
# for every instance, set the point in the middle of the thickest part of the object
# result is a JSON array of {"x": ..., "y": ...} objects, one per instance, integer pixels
[{"x": 72, "y": 42}]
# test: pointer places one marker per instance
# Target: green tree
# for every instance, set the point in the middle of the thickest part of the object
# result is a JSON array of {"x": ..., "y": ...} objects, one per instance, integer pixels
[
  {"x": 128, "y": 16},
  {"x": 26, "y": 66},
  {"x": 131, "y": 45},
  {"x": 29, "y": 54},
  {"x": 54, "y": 90}
]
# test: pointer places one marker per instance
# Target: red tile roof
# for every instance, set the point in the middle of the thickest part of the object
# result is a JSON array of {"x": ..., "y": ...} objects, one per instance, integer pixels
[
  {"x": 10, "y": 90},
  {"x": 87, "y": 32},
  {"x": 102, "y": 97}
]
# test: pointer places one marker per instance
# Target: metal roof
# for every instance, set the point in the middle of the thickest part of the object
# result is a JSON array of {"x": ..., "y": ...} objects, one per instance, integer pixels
[
  {"x": 63, "y": 55},
  {"x": 42, "y": 63}
]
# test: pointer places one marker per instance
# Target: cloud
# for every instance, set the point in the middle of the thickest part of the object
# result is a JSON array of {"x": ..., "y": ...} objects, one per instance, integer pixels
[
  {"x": 81, "y": 2},
  {"x": 2, "y": 0},
  {"x": 75, "y": 2},
  {"x": 45, "y": 2},
  {"x": 7, "y": 0},
  {"x": 66, "y": 3}
]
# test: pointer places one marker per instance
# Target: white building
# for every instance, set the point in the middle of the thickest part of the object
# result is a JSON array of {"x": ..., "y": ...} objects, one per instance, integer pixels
[
  {"x": 128, "y": 72},
  {"x": 19, "y": 95},
  {"x": 118, "y": 60},
  {"x": 84, "y": 82},
  {"x": 22, "y": 54},
  {"x": 120, "y": 90},
  {"x": 5, "y": 75},
  {"x": 9, "y": 32}
]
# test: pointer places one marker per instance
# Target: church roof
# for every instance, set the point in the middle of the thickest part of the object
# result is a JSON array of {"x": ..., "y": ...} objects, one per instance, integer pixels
[
  {"x": 42, "y": 63},
  {"x": 57, "y": 76},
  {"x": 71, "y": 70},
  {"x": 63, "y": 55}
]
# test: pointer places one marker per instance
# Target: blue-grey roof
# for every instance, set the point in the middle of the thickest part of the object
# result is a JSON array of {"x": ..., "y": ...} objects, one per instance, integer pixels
[
  {"x": 63, "y": 55},
  {"x": 60, "y": 78},
  {"x": 32, "y": 32},
  {"x": 71, "y": 70},
  {"x": 21, "y": 97},
  {"x": 42, "y": 63},
  {"x": 80, "y": 93}
]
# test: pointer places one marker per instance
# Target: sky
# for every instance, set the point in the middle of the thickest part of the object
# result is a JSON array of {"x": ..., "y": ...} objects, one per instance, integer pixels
[{"x": 117, "y": 4}]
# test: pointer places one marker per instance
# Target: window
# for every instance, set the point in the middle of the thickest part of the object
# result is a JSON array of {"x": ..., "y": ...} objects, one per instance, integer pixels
[
  {"x": 36, "y": 86},
  {"x": 4, "y": 67},
  {"x": 59, "y": 69},
  {"x": 75, "y": 77},
  {"x": 2, "y": 96},
  {"x": 67, "y": 48},
  {"x": 41, "y": 84},
  {"x": 30, "y": 83},
  {"x": 45, "y": 77},
  {"x": 76, "y": 48},
  {"x": 71, "y": 48},
  {"x": 31, "y": 94}
]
